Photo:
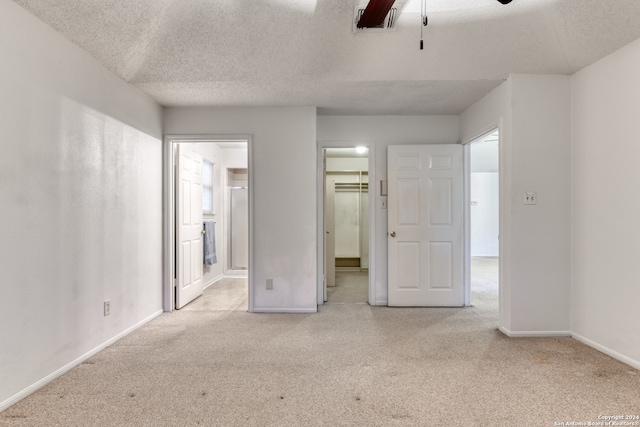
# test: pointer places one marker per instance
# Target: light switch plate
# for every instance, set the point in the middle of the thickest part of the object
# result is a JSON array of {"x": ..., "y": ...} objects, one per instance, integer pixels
[{"x": 530, "y": 198}]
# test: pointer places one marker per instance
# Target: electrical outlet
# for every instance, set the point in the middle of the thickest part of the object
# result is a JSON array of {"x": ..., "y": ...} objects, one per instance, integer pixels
[
  {"x": 530, "y": 198},
  {"x": 107, "y": 308},
  {"x": 269, "y": 284}
]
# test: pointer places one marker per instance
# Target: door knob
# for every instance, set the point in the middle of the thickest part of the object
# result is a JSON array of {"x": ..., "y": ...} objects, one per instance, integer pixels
[
  {"x": 202, "y": 232},
  {"x": 393, "y": 234}
]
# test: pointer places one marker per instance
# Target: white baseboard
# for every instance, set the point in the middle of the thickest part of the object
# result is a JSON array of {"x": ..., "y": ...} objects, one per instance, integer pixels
[
  {"x": 382, "y": 302},
  {"x": 284, "y": 310},
  {"x": 622, "y": 358},
  {"x": 533, "y": 334},
  {"x": 66, "y": 368}
]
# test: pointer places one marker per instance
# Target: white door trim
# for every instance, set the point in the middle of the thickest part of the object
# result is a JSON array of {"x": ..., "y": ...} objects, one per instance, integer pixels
[
  {"x": 169, "y": 237},
  {"x": 373, "y": 203},
  {"x": 466, "y": 179},
  {"x": 467, "y": 212}
]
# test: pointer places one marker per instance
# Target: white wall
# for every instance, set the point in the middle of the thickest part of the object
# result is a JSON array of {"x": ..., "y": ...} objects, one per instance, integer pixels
[
  {"x": 81, "y": 192},
  {"x": 283, "y": 174},
  {"x": 347, "y": 164},
  {"x": 533, "y": 112},
  {"x": 234, "y": 158},
  {"x": 494, "y": 110},
  {"x": 540, "y": 161},
  {"x": 484, "y": 214},
  {"x": 605, "y": 204},
  {"x": 380, "y": 132}
]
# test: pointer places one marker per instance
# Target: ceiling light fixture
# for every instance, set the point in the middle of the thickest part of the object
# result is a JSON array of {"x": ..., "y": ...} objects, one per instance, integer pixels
[{"x": 505, "y": 1}]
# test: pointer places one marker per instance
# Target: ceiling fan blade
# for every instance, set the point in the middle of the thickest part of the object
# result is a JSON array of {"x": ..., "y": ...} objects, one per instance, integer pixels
[{"x": 374, "y": 13}]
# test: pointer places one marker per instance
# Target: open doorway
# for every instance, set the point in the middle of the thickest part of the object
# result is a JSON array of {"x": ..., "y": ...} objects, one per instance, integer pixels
[
  {"x": 345, "y": 258},
  {"x": 484, "y": 202},
  {"x": 347, "y": 224},
  {"x": 202, "y": 272}
]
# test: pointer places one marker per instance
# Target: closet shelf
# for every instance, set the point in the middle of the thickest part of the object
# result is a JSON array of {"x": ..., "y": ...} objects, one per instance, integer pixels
[{"x": 352, "y": 186}]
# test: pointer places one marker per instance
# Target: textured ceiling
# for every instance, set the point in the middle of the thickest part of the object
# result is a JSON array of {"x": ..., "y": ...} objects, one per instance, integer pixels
[{"x": 303, "y": 52}]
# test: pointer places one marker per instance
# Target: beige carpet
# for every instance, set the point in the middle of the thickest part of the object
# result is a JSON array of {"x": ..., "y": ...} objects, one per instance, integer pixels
[
  {"x": 484, "y": 283},
  {"x": 351, "y": 287},
  {"x": 348, "y": 365}
]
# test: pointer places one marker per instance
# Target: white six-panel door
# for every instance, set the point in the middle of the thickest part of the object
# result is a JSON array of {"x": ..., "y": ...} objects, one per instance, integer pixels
[
  {"x": 189, "y": 258},
  {"x": 425, "y": 225}
]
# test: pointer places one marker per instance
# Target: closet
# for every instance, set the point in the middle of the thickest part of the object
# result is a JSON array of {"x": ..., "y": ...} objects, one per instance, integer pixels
[{"x": 350, "y": 179}]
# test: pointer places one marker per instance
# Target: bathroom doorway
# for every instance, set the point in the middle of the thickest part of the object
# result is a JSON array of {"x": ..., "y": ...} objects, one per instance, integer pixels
[{"x": 213, "y": 267}]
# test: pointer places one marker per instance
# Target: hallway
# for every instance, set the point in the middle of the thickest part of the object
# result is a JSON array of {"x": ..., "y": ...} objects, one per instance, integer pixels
[{"x": 352, "y": 287}]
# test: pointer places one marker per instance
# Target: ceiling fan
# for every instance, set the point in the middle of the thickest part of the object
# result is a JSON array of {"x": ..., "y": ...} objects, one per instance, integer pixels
[
  {"x": 374, "y": 14},
  {"x": 376, "y": 11}
]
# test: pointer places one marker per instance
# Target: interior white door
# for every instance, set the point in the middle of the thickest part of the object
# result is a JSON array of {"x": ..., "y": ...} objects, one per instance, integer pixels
[
  {"x": 425, "y": 225},
  {"x": 189, "y": 230}
]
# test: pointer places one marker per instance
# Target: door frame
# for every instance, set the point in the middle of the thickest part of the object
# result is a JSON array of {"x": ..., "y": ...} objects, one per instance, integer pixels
[
  {"x": 373, "y": 203},
  {"x": 168, "y": 208},
  {"x": 467, "y": 212}
]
